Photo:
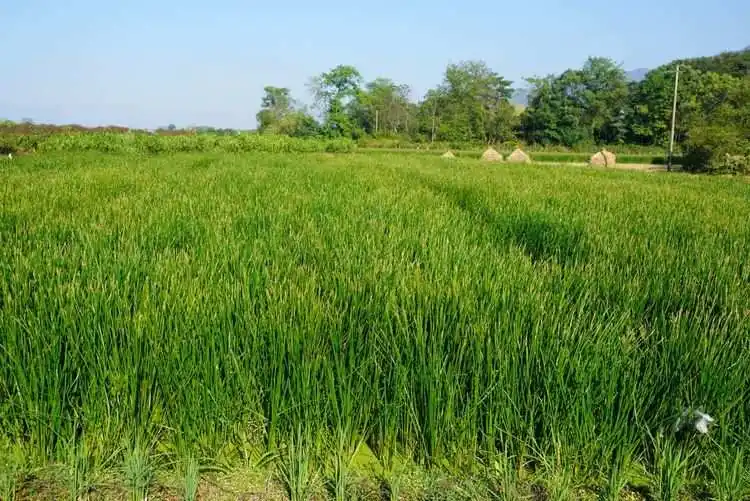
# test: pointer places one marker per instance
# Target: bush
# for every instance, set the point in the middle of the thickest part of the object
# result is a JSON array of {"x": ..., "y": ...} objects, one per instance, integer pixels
[
  {"x": 717, "y": 149},
  {"x": 735, "y": 164},
  {"x": 149, "y": 144}
]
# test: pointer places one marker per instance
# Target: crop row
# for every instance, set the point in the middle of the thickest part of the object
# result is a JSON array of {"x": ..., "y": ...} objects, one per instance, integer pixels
[{"x": 152, "y": 144}]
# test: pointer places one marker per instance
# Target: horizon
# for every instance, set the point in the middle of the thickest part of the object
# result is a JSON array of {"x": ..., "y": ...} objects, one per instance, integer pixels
[{"x": 141, "y": 66}]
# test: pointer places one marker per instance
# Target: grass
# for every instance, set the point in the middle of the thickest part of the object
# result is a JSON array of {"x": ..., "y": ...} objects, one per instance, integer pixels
[
  {"x": 392, "y": 324},
  {"x": 147, "y": 144},
  {"x": 537, "y": 156},
  {"x": 396, "y": 144}
]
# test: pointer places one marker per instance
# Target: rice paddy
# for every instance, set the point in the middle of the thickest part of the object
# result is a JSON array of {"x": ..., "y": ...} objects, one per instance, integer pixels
[{"x": 370, "y": 326}]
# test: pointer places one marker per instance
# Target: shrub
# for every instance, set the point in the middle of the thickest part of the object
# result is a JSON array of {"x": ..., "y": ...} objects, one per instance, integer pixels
[
  {"x": 108, "y": 142},
  {"x": 717, "y": 149},
  {"x": 735, "y": 164}
]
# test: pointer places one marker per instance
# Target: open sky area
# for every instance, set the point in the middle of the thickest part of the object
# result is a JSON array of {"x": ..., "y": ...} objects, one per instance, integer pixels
[{"x": 150, "y": 63}]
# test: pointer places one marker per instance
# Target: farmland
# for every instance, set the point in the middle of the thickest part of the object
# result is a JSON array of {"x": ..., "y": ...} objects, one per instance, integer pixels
[{"x": 365, "y": 325}]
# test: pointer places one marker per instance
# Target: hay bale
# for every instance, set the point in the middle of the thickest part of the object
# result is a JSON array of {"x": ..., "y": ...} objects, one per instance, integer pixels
[
  {"x": 519, "y": 157},
  {"x": 491, "y": 155},
  {"x": 448, "y": 154},
  {"x": 610, "y": 158},
  {"x": 604, "y": 158}
]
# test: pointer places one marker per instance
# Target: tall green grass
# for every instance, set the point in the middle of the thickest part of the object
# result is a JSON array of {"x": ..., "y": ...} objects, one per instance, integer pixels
[
  {"x": 140, "y": 143},
  {"x": 525, "y": 327}
]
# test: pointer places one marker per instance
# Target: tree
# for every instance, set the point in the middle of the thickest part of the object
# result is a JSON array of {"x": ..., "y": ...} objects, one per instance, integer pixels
[
  {"x": 650, "y": 110},
  {"x": 471, "y": 105},
  {"x": 429, "y": 113},
  {"x": 478, "y": 99},
  {"x": 586, "y": 105},
  {"x": 275, "y": 105},
  {"x": 383, "y": 107},
  {"x": 604, "y": 96},
  {"x": 280, "y": 114},
  {"x": 594, "y": 104},
  {"x": 553, "y": 115},
  {"x": 718, "y": 138},
  {"x": 736, "y": 63},
  {"x": 300, "y": 124},
  {"x": 334, "y": 92}
]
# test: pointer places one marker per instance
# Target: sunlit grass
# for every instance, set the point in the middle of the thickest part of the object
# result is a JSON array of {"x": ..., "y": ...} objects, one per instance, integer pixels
[{"x": 537, "y": 324}]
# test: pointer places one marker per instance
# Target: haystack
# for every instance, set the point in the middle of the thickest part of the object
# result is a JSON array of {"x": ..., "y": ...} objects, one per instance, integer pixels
[
  {"x": 491, "y": 155},
  {"x": 519, "y": 157},
  {"x": 449, "y": 154},
  {"x": 604, "y": 159}
]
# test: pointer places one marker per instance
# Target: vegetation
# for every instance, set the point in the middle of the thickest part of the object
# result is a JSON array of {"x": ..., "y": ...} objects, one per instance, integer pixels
[
  {"x": 151, "y": 144},
  {"x": 279, "y": 115},
  {"x": 361, "y": 324},
  {"x": 580, "y": 109},
  {"x": 719, "y": 138},
  {"x": 712, "y": 102},
  {"x": 540, "y": 156},
  {"x": 471, "y": 105},
  {"x": 734, "y": 63},
  {"x": 146, "y": 144},
  {"x": 29, "y": 127},
  {"x": 579, "y": 106}
]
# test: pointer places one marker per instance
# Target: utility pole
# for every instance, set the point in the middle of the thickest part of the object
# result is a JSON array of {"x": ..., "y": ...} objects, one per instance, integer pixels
[
  {"x": 376, "y": 121},
  {"x": 434, "y": 112},
  {"x": 674, "y": 117}
]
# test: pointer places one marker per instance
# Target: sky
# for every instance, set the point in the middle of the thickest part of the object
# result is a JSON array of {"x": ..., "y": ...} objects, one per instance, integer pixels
[{"x": 142, "y": 63}]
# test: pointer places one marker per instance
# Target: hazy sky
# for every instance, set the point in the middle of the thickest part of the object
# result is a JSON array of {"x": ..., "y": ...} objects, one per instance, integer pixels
[{"x": 150, "y": 63}]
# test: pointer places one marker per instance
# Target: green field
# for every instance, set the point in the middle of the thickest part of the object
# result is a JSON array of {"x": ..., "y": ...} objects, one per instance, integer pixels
[
  {"x": 147, "y": 144},
  {"x": 367, "y": 326},
  {"x": 536, "y": 156}
]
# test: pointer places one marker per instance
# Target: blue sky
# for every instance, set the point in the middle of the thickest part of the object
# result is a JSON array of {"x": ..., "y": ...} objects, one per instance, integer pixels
[{"x": 150, "y": 63}]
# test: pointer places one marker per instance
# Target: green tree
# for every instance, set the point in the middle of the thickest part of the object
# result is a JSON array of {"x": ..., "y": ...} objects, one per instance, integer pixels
[
  {"x": 734, "y": 63},
  {"x": 429, "y": 114},
  {"x": 301, "y": 124},
  {"x": 718, "y": 137},
  {"x": 280, "y": 114},
  {"x": 650, "y": 111},
  {"x": 383, "y": 108},
  {"x": 604, "y": 96},
  {"x": 586, "y": 105},
  {"x": 276, "y": 104},
  {"x": 471, "y": 105},
  {"x": 334, "y": 93},
  {"x": 553, "y": 116}
]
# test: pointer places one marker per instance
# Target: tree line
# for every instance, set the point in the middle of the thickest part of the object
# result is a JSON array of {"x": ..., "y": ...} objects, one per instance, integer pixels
[{"x": 593, "y": 105}]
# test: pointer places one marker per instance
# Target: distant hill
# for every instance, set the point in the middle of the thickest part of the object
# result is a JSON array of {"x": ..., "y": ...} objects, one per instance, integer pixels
[
  {"x": 637, "y": 75},
  {"x": 520, "y": 97}
]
